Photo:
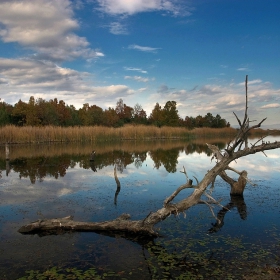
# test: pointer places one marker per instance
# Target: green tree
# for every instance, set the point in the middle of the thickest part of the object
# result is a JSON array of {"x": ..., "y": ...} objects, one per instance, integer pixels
[
  {"x": 171, "y": 117},
  {"x": 95, "y": 115},
  {"x": 19, "y": 113},
  {"x": 199, "y": 121},
  {"x": 5, "y": 113},
  {"x": 74, "y": 116},
  {"x": 219, "y": 122},
  {"x": 208, "y": 120}
]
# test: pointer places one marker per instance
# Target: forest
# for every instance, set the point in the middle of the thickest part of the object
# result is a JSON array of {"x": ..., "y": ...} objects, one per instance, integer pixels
[{"x": 40, "y": 112}]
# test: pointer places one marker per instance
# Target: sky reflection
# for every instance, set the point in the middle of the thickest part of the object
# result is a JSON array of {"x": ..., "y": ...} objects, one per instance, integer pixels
[{"x": 146, "y": 179}]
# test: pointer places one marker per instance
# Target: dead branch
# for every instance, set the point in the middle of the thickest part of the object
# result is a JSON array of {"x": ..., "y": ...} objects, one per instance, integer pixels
[
  {"x": 211, "y": 210},
  {"x": 118, "y": 185},
  {"x": 175, "y": 193}
]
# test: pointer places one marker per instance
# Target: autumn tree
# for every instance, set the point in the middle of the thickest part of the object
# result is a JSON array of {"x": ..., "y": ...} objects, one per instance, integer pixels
[
  {"x": 124, "y": 112},
  {"x": 110, "y": 117},
  {"x": 139, "y": 115},
  {"x": 189, "y": 122},
  {"x": 157, "y": 116}
]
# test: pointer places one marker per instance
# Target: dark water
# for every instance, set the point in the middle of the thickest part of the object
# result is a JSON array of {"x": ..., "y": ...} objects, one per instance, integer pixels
[{"x": 48, "y": 181}]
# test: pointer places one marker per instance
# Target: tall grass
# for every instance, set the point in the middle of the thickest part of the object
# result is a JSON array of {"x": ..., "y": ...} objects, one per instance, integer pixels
[
  {"x": 214, "y": 132},
  {"x": 28, "y": 134},
  {"x": 48, "y": 134}
]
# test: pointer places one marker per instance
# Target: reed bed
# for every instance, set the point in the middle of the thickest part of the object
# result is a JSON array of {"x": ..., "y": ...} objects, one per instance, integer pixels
[
  {"x": 49, "y": 134},
  {"x": 214, "y": 132},
  {"x": 260, "y": 132}
]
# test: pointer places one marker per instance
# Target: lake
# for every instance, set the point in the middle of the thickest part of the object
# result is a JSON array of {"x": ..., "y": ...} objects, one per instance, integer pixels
[{"x": 58, "y": 180}]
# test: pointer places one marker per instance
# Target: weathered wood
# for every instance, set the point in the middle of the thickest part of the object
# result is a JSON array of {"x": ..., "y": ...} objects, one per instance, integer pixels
[
  {"x": 120, "y": 224},
  {"x": 7, "y": 151},
  {"x": 118, "y": 185},
  {"x": 237, "y": 187}
]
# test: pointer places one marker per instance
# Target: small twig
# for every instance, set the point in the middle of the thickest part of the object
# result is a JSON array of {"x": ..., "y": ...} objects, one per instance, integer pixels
[
  {"x": 214, "y": 200},
  {"x": 237, "y": 119},
  {"x": 212, "y": 212},
  {"x": 185, "y": 172},
  {"x": 196, "y": 180},
  {"x": 264, "y": 153}
]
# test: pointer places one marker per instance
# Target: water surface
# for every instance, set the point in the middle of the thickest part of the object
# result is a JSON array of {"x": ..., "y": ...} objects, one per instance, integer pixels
[{"x": 48, "y": 181}]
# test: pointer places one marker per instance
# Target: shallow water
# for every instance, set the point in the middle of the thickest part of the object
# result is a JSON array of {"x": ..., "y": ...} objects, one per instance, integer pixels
[{"x": 47, "y": 181}]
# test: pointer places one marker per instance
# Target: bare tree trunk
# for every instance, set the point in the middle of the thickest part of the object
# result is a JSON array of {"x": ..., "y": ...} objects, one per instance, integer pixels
[{"x": 237, "y": 187}]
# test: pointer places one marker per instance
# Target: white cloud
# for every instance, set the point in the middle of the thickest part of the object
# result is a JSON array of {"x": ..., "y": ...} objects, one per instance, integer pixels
[
  {"x": 222, "y": 99},
  {"x": 130, "y": 7},
  {"x": 138, "y": 78},
  {"x": 118, "y": 29},
  {"x": 273, "y": 105},
  {"x": 135, "y": 69},
  {"x": 243, "y": 69},
  {"x": 113, "y": 91},
  {"x": 143, "y": 49},
  {"x": 46, "y": 27},
  {"x": 22, "y": 78},
  {"x": 38, "y": 75},
  {"x": 253, "y": 82},
  {"x": 210, "y": 90},
  {"x": 142, "y": 89}
]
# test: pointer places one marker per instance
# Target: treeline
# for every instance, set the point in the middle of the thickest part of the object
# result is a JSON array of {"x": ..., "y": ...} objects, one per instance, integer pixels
[{"x": 40, "y": 112}]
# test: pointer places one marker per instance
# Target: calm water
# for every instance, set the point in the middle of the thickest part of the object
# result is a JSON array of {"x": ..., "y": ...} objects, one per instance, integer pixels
[{"x": 48, "y": 181}]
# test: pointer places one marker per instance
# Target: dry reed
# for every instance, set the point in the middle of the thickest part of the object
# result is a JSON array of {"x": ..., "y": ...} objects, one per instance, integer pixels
[{"x": 49, "y": 134}]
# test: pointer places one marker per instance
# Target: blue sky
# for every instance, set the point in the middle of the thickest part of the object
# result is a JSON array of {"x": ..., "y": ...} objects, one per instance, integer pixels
[{"x": 196, "y": 53}]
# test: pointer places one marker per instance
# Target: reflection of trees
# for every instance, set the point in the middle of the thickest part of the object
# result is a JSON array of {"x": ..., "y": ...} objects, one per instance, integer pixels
[
  {"x": 202, "y": 148},
  {"x": 167, "y": 158},
  {"x": 139, "y": 158},
  {"x": 39, "y": 167},
  {"x": 118, "y": 185}
]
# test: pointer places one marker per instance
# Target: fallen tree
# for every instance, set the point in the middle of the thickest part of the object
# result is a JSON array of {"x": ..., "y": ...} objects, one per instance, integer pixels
[{"x": 123, "y": 226}]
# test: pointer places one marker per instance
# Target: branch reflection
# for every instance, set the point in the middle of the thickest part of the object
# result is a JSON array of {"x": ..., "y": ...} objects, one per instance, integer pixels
[{"x": 235, "y": 201}]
